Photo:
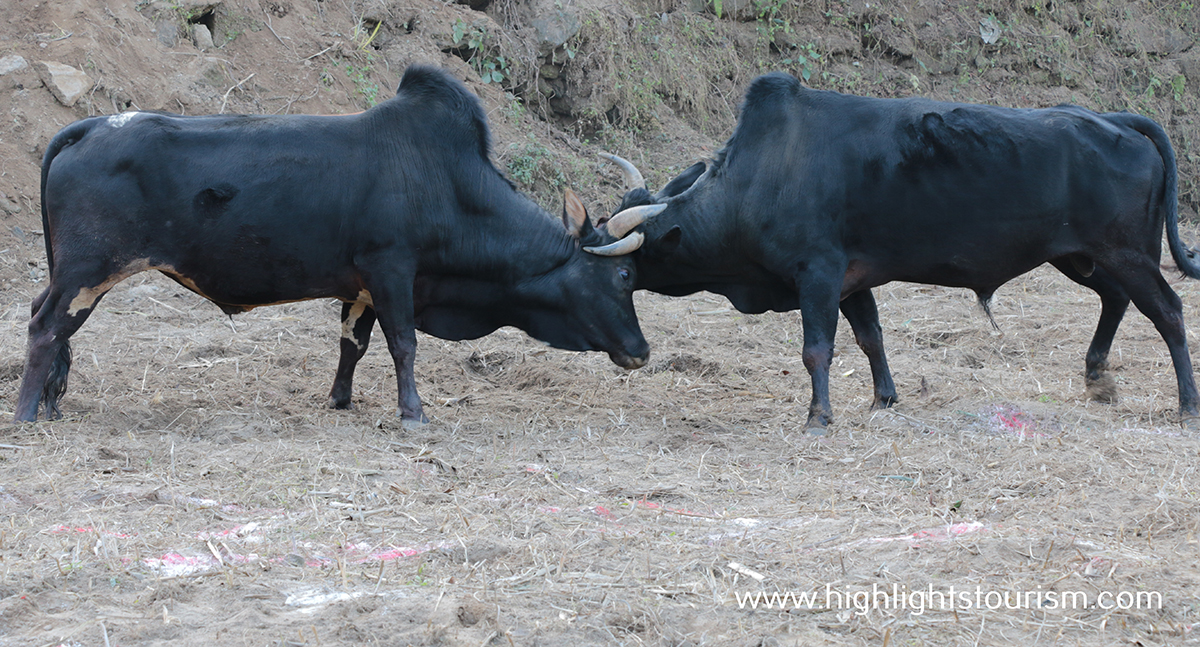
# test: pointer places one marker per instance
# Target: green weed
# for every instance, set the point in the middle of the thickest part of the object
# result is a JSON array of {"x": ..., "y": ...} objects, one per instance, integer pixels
[
  {"x": 805, "y": 59},
  {"x": 532, "y": 164},
  {"x": 492, "y": 68},
  {"x": 360, "y": 76},
  {"x": 1178, "y": 83}
]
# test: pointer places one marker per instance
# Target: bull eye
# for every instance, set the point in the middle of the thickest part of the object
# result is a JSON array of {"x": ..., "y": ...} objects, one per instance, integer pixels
[{"x": 623, "y": 272}]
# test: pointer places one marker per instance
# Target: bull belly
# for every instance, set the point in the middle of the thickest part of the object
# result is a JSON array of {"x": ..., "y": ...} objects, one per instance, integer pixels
[
  {"x": 959, "y": 272},
  {"x": 243, "y": 291},
  {"x": 235, "y": 299}
]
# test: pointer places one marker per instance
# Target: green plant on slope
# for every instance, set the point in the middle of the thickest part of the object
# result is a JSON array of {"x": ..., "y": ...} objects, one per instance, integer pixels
[{"x": 491, "y": 68}]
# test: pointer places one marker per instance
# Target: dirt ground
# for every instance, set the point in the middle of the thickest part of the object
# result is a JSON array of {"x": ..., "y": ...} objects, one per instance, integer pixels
[{"x": 198, "y": 492}]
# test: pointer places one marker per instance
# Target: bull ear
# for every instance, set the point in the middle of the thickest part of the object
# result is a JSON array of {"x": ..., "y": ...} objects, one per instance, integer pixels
[
  {"x": 575, "y": 217},
  {"x": 683, "y": 182},
  {"x": 664, "y": 245}
]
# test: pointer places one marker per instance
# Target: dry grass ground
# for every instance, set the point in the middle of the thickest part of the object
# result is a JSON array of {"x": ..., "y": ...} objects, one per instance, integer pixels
[{"x": 199, "y": 493}]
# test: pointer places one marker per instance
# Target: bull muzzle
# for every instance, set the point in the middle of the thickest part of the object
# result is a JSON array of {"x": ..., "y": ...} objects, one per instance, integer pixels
[{"x": 630, "y": 362}]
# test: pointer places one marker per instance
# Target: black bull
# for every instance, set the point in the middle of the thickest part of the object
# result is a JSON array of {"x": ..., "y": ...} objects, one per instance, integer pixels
[
  {"x": 397, "y": 212},
  {"x": 819, "y": 196}
]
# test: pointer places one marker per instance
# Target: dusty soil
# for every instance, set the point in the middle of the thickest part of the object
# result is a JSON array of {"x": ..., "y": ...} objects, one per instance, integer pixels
[{"x": 198, "y": 492}]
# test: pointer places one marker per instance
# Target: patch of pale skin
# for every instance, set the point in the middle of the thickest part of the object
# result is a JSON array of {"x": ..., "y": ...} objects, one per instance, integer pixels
[
  {"x": 356, "y": 311},
  {"x": 87, "y": 297},
  {"x": 116, "y": 121},
  {"x": 361, "y": 302}
]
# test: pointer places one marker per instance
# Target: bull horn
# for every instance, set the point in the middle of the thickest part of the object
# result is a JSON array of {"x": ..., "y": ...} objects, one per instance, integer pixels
[
  {"x": 633, "y": 177},
  {"x": 626, "y": 245},
  {"x": 624, "y": 222}
]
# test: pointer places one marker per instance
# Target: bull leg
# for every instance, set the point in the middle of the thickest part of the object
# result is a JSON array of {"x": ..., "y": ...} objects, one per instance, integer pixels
[
  {"x": 1113, "y": 303},
  {"x": 1155, "y": 299},
  {"x": 819, "y": 284},
  {"x": 357, "y": 321},
  {"x": 48, "y": 358},
  {"x": 860, "y": 310},
  {"x": 38, "y": 301},
  {"x": 392, "y": 296}
]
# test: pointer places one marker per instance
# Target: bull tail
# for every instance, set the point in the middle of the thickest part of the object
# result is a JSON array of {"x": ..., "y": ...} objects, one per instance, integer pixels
[
  {"x": 56, "y": 381},
  {"x": 1185, "y": 258}
]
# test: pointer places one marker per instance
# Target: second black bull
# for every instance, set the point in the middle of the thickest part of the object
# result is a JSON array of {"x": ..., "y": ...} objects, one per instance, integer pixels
[{"x": 820, "y": 196}]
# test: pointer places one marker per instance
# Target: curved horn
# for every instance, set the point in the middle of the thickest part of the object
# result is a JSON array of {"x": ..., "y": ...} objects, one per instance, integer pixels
[
  {"x": 633, "y": 177},
  {"x": 624, "y": 222},
  {"x": 626, "y": 245}
]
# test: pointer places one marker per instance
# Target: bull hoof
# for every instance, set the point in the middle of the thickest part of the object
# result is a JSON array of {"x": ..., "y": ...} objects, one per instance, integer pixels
[
  {"x": 818, "y": 424},
  {"x": 884, "y": 402},
  {"x": 1190, "y": 424},
  {"x": 1102, "y": 388},
  {"x": 343, "y": 406},
  {"x": 412, "y": 422}
]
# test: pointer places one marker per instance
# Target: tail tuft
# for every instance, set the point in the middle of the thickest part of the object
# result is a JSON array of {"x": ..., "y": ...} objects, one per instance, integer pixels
[
  {"x": 985, "y": 302},
  {"x": 56, "y": 382}
]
